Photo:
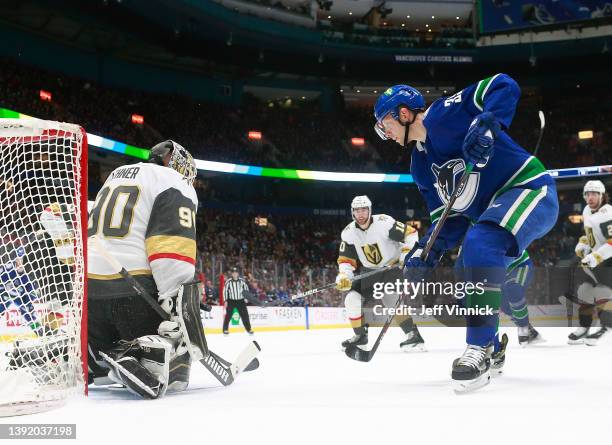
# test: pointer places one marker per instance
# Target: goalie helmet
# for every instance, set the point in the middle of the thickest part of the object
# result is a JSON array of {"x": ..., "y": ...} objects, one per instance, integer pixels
[
  {"x": 180, "y": 159},
  {"x": 594, "y": 186},
  {"x": 360, "y": 202}
]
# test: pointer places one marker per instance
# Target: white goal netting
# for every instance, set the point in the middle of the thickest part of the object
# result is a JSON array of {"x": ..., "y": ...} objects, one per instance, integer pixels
[{"x": 43, "y": 209}]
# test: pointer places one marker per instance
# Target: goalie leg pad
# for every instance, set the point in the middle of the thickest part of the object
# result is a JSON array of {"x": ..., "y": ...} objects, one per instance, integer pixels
[
  {"x": 142, "y": 365},
  {"x": 180, "y": 367},
  {"x": 190, "y": 322},
  {"x": 128, "y": 371},
  {"x": 155, "y": 357}
]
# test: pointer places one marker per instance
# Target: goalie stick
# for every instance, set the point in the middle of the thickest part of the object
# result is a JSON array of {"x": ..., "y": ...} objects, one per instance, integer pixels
[
  {"x": 364, "y": 355},
  {"x": 224, "y": 371}
]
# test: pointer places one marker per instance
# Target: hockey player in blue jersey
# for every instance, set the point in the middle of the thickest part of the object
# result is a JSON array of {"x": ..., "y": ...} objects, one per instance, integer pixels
[
  {"x": 508, "y": 201},
  {"x": 17, "y": 288},
  {"x": 518, "y": 276},
  {"x": 513, "y": 302}
]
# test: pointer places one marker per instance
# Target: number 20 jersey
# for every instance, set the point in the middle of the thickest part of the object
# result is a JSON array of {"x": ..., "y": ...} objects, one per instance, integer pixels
[
  {"x": 598, "y": 228},
  {"x": 145, "y": 217}
]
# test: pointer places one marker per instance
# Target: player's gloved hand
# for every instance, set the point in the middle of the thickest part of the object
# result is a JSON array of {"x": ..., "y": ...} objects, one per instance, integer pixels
[
  {"x": 582, "y": 248},
  {"x": 480, "y": 138},
  {"x": 343, "y": 282},
  {"x": 416, "y": 268},
  {"x": 592, "y": 260}
]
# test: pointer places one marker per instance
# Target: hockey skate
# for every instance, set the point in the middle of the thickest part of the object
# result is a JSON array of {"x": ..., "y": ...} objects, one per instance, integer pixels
[
  {"x": 578, "y": 336},
  {"x": 527, "y": 335},
  {"x": 594, "y": 338},
  {"x": 498, "y": 358},
  {"x": 472, "y": 370},
  {"x": 414, "y": 342},
  {"x": 359, "y": 339}
]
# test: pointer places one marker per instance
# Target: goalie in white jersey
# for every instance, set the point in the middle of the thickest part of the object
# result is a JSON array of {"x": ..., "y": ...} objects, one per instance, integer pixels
[
  {"x": 372, "y": 242},
  {"x": 594, "y": 279},
  {"x": 145, "y": 216}
]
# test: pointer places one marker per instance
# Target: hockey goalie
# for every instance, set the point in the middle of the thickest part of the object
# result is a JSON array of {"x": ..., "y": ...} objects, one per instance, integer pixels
[{"x": 145, "y": 215}]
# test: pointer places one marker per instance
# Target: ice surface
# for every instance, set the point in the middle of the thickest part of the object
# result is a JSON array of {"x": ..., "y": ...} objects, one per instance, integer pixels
[{"x": 308, "y": 391}]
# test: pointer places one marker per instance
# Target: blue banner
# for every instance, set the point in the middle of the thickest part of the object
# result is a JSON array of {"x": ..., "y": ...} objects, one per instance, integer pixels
[{"x": 501, "y": 15}]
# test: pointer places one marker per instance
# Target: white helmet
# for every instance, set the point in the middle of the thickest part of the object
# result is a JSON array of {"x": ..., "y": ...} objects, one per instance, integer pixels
[
  {"x": 594, "y": 186},
  {"x": 360, "y": 202}
]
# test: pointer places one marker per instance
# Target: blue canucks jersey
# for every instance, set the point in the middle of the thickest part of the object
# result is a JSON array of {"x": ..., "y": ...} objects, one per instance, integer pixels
[
  {"x": 438, "y": 163},
  {"x": 15, "y": 283}
]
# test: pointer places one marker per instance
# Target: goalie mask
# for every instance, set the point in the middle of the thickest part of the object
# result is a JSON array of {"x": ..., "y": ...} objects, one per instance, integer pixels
[{"x": 180, "y": 159}]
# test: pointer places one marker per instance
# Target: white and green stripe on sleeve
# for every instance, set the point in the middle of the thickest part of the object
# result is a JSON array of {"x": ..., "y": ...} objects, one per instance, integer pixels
[
  {"x": 481, "y": 90},
  {"x": 518, "y": 213}
]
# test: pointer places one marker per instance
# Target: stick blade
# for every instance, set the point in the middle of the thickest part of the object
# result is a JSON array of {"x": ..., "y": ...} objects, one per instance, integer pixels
[
  {"x": 252, "y": 366},
  {"x": 358, "y": 354},
  {"x": 245, "y": 358},
  {"x": 542, "y": 119}
]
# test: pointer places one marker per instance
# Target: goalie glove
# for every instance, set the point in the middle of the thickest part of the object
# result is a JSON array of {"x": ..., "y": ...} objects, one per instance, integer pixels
[
  {"x": 54, "y": 224},
  {"x": 582, "y": 248}
]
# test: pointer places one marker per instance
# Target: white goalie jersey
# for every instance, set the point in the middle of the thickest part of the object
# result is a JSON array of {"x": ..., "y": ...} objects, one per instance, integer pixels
[
  {"x": 598, "y": 229},
  {"x": 145, "y": 216},
  {"x": 385, "y": 242}
]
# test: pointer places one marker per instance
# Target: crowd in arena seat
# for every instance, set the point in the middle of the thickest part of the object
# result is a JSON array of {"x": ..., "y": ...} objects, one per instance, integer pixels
[
  {"x": 300, "y": 137},
  {"x": 292, "y": 253}
]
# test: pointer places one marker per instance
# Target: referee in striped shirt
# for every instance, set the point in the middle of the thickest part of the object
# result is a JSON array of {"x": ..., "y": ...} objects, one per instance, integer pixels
[{"x": 233, "y": 293}]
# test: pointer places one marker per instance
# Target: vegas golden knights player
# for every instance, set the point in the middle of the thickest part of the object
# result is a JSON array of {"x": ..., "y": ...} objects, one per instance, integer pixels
[
  {"x": 594, "y": 276},
  {"x": 372, "y": 242},
  {"x": 145, "y": 215}
]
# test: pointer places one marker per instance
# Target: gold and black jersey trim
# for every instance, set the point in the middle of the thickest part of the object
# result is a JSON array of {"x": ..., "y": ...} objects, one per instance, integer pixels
[
  {"x": 116, "y": 276},
  {"x": 109, "y": 287},
  {"x": 347, "y": 254},
  {"x": 171, "y": 231}
]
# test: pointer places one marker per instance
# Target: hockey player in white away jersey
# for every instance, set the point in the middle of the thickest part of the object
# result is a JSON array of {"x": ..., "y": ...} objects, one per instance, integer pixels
[
  {"x": 595, "y": 250},
  {"x": 145, "y": 215},
  {"x": 372, "y": 242}
]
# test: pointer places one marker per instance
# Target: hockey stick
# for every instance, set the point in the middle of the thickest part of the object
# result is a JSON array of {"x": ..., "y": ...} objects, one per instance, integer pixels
[
  {"x": 542, "y": 124},
  {"x": 223, "y": 371},
  {"x": 363, "y": 355},
  {"x": 316, "y": 290}
]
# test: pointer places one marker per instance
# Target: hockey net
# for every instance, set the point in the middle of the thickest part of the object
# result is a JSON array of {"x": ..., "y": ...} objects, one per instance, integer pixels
[{"x": 43, "y": 219}]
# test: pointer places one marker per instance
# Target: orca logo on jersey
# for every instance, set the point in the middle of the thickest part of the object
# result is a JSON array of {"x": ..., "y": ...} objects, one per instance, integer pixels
[
  {"x": 447, "y": 176},
  {"x": 372, "y": 253}
]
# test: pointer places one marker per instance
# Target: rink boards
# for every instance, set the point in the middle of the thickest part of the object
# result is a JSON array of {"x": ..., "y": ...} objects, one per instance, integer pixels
[
  {"x": 275, "y": 318},
  {"x": 300, "y": 318}
]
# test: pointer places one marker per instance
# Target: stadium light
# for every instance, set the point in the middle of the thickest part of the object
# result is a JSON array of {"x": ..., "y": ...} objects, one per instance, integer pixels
[
  {"x": 358, "y": 142},
  {"x": 44, "y": 95},
  {"x": 255, "y": 135},
  {"x": 585, "y": 134},
  {"x": 137, "y": 119}
]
